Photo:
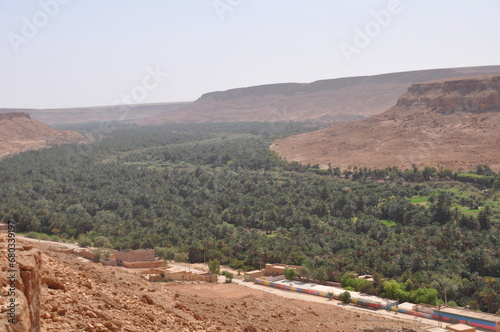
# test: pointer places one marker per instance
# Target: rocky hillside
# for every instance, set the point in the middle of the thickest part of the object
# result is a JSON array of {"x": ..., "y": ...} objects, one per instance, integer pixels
[
  {"x": 451, "y": 124},
  {"x": 57, "y": 292},
  {"x": 330, "y": 101},
  {"x": 19, "y": 132}
]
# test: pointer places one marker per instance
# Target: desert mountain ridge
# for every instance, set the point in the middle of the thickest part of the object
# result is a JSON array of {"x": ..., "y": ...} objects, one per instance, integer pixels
[
  {"x": 20, "y": 132},
  {"x": 448, "y": 123},
  {"x": 56, "y": 116},
  {"x": 328, "y": 101}
]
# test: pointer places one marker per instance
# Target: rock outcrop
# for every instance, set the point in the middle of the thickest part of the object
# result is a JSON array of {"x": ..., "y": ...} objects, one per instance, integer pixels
[
  {"x": 460, "y": 95},
  {"x": 26, "y": 293},
  {"x": 451, "y": 124}
]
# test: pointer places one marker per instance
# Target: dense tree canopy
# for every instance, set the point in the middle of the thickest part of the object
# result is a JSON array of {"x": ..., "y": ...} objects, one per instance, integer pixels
[{"x": 207, "y": 192}]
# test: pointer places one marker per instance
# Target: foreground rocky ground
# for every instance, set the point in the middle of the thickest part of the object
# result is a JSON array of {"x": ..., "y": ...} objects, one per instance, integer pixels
[{"x": 77, "y": 295}]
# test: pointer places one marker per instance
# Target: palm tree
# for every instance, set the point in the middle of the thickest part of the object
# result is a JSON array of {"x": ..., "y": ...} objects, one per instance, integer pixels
[
  {"x": 207, "y": 244},
  {"x": 446, "y": 285},
  {"x": 489, "y": 297}
]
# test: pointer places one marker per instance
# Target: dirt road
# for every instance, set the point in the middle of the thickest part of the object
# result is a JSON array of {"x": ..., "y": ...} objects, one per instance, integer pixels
[{"x": 52, "y": 243}]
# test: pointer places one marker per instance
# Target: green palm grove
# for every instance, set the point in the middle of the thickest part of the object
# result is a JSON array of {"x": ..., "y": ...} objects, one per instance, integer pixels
[{"x": 206, "y": 192}]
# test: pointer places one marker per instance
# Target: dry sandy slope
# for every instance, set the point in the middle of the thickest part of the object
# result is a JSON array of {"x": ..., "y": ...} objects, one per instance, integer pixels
[
  {"x": 98, "y": 298},
  {"x": 462, "y": 141},
  {"x": 19, "y": 132}
]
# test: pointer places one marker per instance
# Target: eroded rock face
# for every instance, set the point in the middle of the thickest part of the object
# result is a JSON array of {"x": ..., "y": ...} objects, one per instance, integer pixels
[
  {"x": 27, "y": 289},
  {"x": 460, "y": 95}
]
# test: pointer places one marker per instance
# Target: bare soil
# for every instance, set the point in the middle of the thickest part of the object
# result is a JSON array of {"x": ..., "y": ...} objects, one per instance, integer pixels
[{"x": 19, "y": 132}]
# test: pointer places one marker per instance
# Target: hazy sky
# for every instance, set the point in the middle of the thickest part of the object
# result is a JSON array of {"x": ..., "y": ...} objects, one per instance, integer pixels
[{"x": 65, "y": 53}]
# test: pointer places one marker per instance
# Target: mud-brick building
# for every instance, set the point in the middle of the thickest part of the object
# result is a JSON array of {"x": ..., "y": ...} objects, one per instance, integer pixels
[
  {"x": 251, "y": 275},
  {"x": 273, "y": 270},
  {"x": 142, "y": 258}
]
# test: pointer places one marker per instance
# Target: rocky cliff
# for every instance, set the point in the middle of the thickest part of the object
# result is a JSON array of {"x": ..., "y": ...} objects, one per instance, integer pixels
[
  {"x": 459, "y": 95},
  {"x": 451, "y": 124},
  {"x": 25, "y": 312}
]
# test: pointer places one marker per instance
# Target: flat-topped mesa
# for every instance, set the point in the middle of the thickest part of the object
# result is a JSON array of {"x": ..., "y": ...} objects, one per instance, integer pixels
[
  {"x": 10, "y": 116},
  {"x": 474, "y": 95}
]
